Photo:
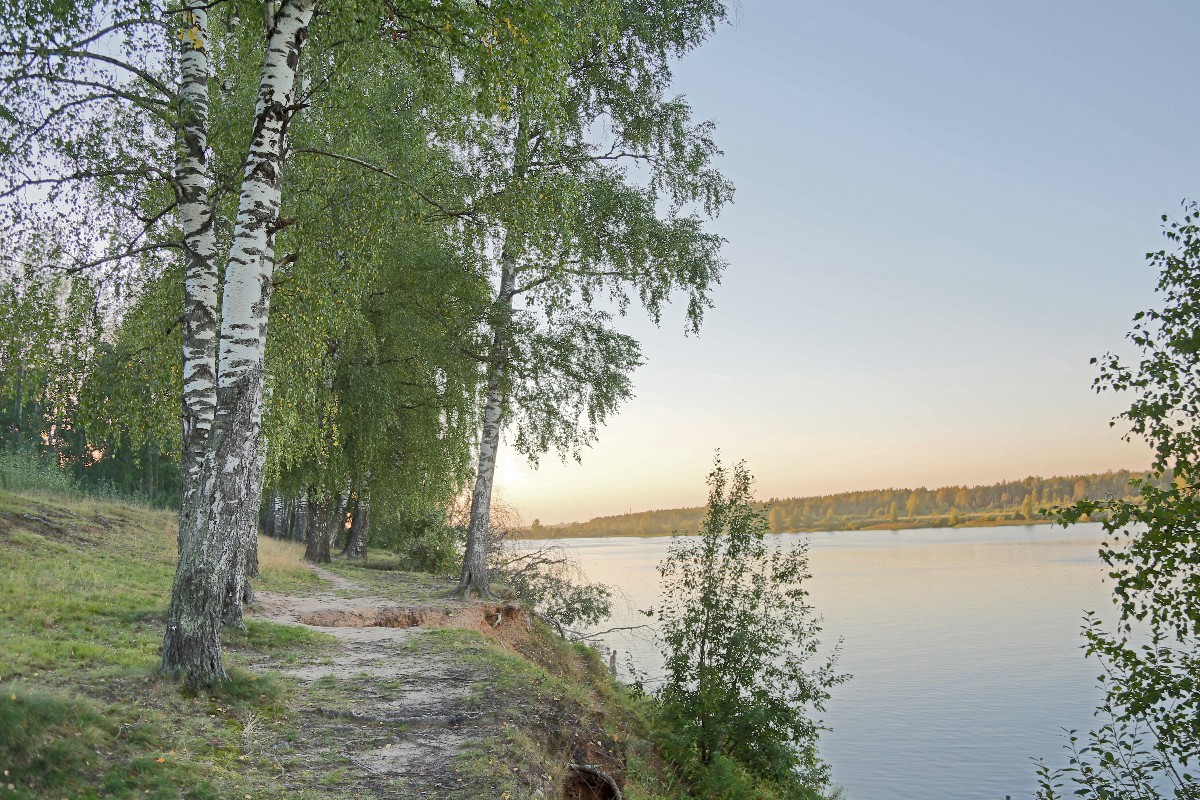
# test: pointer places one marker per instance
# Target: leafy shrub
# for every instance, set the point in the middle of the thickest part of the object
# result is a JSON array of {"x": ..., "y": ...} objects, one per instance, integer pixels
[
  {"x": 1148, "y": 745},
  {"x": 428, "y": 543},
  {"x": 737, "y": 637}
]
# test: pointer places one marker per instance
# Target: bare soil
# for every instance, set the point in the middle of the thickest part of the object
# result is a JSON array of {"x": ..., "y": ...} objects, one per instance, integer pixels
[{"x": 383, "y": 715}]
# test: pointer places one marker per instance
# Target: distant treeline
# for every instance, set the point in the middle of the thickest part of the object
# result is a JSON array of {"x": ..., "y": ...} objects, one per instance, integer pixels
[{"x": 998, "y": 503}]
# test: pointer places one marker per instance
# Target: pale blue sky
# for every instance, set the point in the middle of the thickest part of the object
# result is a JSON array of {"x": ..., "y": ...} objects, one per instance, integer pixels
[{"x": 942, "y": 213}]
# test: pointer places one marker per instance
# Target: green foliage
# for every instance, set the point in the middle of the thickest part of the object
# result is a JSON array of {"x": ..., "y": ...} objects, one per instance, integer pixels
[
  {"x": 23, "y": 471},
  {"x": 1149, "y": 743},
  {"x": 48, "y": 332},
  {"x": 425, "y": 541},
  {"x": 738, "y": 638},
  {"x": 567, "y": 377},
  {"x": 587, "y": 190},
  {"x": 549, "y": 581},
  {"x": 93, "y": 414}
]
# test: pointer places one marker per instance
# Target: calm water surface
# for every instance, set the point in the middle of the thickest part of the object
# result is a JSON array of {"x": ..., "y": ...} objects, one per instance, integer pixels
[{"x": 964, "y": 645}]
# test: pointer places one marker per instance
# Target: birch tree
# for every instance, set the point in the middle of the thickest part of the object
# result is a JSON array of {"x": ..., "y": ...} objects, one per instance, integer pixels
[
  {"x": 193, "y": 183},
  {"x": 104, "y": 151},
  {"x": 132, "y": 173},
  {"x": 739, "y": 641},
  {"x": 373, "y": 316},
  {"x": 232, "y": 470},
  {"x": 573, "y": 236},
  {"x": 103, "y": 73}
]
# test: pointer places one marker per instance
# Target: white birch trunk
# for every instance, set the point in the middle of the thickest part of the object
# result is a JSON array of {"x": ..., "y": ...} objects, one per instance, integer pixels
[
  {"x": 279, "y": 517},
  {"x": 474, "y": 576},
  {"x": 238, "y": 591},
  {"x": 192, "y": 644},
  {"x": 200, "y": 261}
]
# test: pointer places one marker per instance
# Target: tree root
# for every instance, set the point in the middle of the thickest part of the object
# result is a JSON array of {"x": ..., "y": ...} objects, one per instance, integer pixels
[{"x": 589, "y": 769}]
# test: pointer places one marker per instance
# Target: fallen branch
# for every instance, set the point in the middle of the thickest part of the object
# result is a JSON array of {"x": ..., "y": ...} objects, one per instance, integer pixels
[{"x": 580, "y": 636}]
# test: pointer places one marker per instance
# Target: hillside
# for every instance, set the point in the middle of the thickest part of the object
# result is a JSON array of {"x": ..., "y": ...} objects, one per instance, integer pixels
[
  {"x": 347, "y": 682},
  {"x": 1006, "y": 502}
]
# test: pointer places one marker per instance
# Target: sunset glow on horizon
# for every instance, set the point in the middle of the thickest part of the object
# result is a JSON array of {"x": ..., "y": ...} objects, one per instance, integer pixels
[{"x": 942, "y": 214}]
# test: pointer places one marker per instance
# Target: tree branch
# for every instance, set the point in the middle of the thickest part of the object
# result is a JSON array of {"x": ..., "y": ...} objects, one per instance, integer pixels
[
  {"x": 83, "y": 175},
  {"x": 464, "y": 214}
]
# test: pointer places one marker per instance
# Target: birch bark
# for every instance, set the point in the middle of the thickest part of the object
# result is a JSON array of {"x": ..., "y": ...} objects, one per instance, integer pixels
[
  {"x": 230, "y": 480},
  {"x": 238, "y": 591},
  {"x": 474, "y": 576},
  {"x": 280, "y": 526},
  {"x": 200, "y": 263}
]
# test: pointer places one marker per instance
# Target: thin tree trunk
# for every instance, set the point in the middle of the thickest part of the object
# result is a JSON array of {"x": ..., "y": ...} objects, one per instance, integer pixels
[
  {"x": 337, "y": 523},
  {"x": 360, "y": 529},
  {"x": 320, "y": 514},
  {"x": 299, "y": 529},
  {"x": 337, "y": 528},
  {"x": 192, "y": 643},
  {"x": 266, "y": 515},
  {"x": 279, "y": 516},
  {"x": 474, "y": 576}
]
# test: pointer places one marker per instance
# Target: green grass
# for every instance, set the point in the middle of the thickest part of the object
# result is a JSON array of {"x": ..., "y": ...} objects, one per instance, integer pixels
[
  {"x": 82, "y": 711},
  {"x": 382, "y": 574},
  {"x": 24, "y": 472}
]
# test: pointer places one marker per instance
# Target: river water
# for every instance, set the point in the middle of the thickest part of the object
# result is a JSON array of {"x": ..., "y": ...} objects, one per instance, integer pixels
[{"x": 964, "y": 646}]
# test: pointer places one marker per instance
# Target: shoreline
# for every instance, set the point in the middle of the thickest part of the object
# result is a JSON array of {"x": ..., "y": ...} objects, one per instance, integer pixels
[{"x": 929, "y": 523}]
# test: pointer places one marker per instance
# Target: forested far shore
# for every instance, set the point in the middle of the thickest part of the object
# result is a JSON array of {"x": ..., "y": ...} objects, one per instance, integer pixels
[{"x": 1007, "y": 502}]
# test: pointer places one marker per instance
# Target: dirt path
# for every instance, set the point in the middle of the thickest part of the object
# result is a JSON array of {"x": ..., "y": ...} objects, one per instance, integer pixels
[{"x": 384, "y": 713}]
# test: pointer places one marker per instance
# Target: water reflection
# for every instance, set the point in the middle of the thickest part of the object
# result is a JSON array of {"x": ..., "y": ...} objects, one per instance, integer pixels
[{"x": 964, "y": 646}]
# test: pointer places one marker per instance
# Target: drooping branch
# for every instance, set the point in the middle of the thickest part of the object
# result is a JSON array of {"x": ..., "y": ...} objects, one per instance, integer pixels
[
  {"x": 88, "y": 55},
  {"x": 90, "y": 264},
  {"x": 121, "y": 25},
  {"x": 467, "y": 214},
  {"x": 146, "y": 171}
]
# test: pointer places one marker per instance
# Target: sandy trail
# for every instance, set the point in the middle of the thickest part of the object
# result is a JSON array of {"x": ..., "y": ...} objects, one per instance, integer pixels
[{"x": 407, "y": 715}]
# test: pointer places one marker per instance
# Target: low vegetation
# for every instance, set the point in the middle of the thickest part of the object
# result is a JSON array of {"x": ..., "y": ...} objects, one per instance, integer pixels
[
  {"x": 84, "y": 714},
  {"x": 739, "y": 644},
  {"x": 1147, "y": 740}
]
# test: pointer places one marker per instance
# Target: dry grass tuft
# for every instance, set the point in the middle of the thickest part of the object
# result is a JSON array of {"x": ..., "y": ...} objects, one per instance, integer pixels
[{"x": 278, "y": 559}]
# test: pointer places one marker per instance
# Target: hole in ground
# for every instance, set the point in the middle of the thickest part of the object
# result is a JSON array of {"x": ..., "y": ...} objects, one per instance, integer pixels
[{"x": 479, "y": 617}]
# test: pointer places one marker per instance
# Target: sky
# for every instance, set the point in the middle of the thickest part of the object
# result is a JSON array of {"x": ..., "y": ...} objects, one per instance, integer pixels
[{"x": 942, "y": 213}]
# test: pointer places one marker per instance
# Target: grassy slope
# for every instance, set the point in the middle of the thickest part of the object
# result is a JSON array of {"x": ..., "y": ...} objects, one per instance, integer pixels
[{"x": 83, "y": 590}]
